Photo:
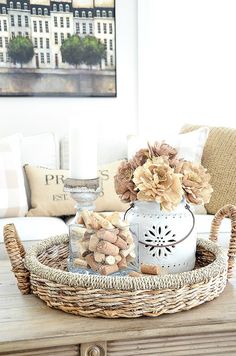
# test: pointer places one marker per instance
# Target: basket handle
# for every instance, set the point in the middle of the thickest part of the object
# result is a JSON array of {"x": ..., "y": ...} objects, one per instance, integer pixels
[
  {"x": 226, "y": 211},
  {"x": 16, "y": 253}
]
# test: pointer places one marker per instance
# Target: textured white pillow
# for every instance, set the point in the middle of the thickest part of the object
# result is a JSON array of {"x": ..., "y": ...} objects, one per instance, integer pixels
[
  {"x": 13, "y": 200},
  {"x": 189, "y": 145}
]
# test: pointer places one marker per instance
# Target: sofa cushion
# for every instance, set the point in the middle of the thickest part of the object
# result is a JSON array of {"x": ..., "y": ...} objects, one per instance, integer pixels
[
  {"x": 32, "y": 230},
  {"x": 189, "y": 145},
  {"x": 47, "y": 195},
  {"x": 219, "y": 157},
  {"x": 13, "y": 200}
]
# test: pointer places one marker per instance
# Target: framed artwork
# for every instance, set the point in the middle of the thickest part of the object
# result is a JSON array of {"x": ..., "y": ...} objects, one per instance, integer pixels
[{"x": 57, "y": 48}]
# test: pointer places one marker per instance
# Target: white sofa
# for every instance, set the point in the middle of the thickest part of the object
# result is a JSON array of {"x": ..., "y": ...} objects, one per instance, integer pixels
[{"x": 45, "y": 150}]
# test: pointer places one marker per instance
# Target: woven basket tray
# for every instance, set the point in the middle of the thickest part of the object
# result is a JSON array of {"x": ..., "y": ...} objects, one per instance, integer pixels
[{"x": 42, "y": 271}]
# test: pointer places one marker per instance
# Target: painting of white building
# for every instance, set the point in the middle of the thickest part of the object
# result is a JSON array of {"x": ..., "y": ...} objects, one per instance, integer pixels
[{"x": 48, "y": 24}]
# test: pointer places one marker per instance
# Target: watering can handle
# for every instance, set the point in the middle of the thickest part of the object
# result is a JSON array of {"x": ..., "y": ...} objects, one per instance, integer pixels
[{"x": 173, "y": 243}]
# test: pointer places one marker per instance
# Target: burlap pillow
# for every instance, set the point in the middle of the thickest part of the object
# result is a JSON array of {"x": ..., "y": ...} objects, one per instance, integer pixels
[
  {"x": 49, "y": 199},
  {"x": 219, "y": 157},
  {"x": 47, "y": 195},
  {"x": 109, "y": 201}
]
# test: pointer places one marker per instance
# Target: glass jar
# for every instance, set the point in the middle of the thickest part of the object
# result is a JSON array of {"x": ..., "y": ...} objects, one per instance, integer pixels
[
  {"x": 165, "y": 238},
  {"x": 103, "y": 251}
]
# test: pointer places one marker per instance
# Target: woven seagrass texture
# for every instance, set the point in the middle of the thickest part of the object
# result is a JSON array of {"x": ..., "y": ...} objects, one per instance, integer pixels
[
  {"x": 16, "y": 254},
  {"x": 219, "y": 157},
  {"x": 229, "y": 211},
  {"x": 114, "y": 297},
  {"x": 127, "y": 304}
]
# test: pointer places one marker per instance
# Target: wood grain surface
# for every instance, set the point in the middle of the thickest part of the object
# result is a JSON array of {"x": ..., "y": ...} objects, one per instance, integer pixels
[{"x": 29, "y": 327}]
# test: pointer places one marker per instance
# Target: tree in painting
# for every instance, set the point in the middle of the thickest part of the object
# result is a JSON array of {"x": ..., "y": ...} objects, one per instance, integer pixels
[
  {"x": 71, "y": 50},
  {"x": 88, "y": 50},
  {"x": 20, "y": 50},
  {"x": 93, "y": 50}
]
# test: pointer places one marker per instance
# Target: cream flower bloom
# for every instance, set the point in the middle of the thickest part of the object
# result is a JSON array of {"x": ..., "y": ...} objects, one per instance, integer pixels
[
  {"x": 156, "y": 181},
  {"x": 195, "y": 182}
]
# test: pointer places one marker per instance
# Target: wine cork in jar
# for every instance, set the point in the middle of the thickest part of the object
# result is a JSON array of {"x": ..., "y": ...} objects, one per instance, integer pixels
[
  {"x": 99, "y": 257},
  {"x": 126, "y": 252},
  {"x": 103, "y": 222},
  {"x": 107, "y": 269},
  {"x": 92, "y": 263},
  {"x": 118, "y": 258},
  {"x": 121, "y": 243},
  {"x": 107, "y": 248},
  {"x": 93, "y": 242},
  {"x": 110, "y": 260},
  {"x": 123, "y": 263},
  {"x": 80, "y": 262},
  {"x": 85, "y": 215},
  {"x": 107, "y": 235},
  {"x": 78, "y": 231},
  {"x": 116, "y": 220}
]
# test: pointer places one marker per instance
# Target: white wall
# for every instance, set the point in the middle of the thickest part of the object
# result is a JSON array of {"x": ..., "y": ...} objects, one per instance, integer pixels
[
  {"x": 187, "y": 73},
  {"x": 187, "y": 63},
  {"x": 117, "y": 117}
]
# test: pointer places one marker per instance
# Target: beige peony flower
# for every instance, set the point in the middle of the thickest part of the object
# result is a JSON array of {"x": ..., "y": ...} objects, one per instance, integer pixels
[
  {"x": 195, "y": 182},
  {"x": 124, "y": 185},
  {"x": 139, "y": 158},
  {"x": 156, "y": 181},
  {"x": 162, "y": 149},
  {"x": 156, "y": 174}
]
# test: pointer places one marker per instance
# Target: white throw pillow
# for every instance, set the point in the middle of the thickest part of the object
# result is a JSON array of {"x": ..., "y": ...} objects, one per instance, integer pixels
[
  {"x": 189, "y": 145},
  {"x": 110, "y": 149},
  {"x": 41, "y": 150},
  {"x": 13, "y": 200}
]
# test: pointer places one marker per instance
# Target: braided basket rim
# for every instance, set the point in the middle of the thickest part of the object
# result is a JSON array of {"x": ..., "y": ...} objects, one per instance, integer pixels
[{"x": 168, "y": 281}]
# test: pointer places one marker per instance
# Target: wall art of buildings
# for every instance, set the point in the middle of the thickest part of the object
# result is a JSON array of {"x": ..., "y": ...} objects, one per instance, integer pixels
[{"x": 48, "y": 23}]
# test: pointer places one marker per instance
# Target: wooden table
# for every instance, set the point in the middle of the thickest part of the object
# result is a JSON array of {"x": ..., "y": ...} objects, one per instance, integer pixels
[{"x": 29, "y": 327}]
